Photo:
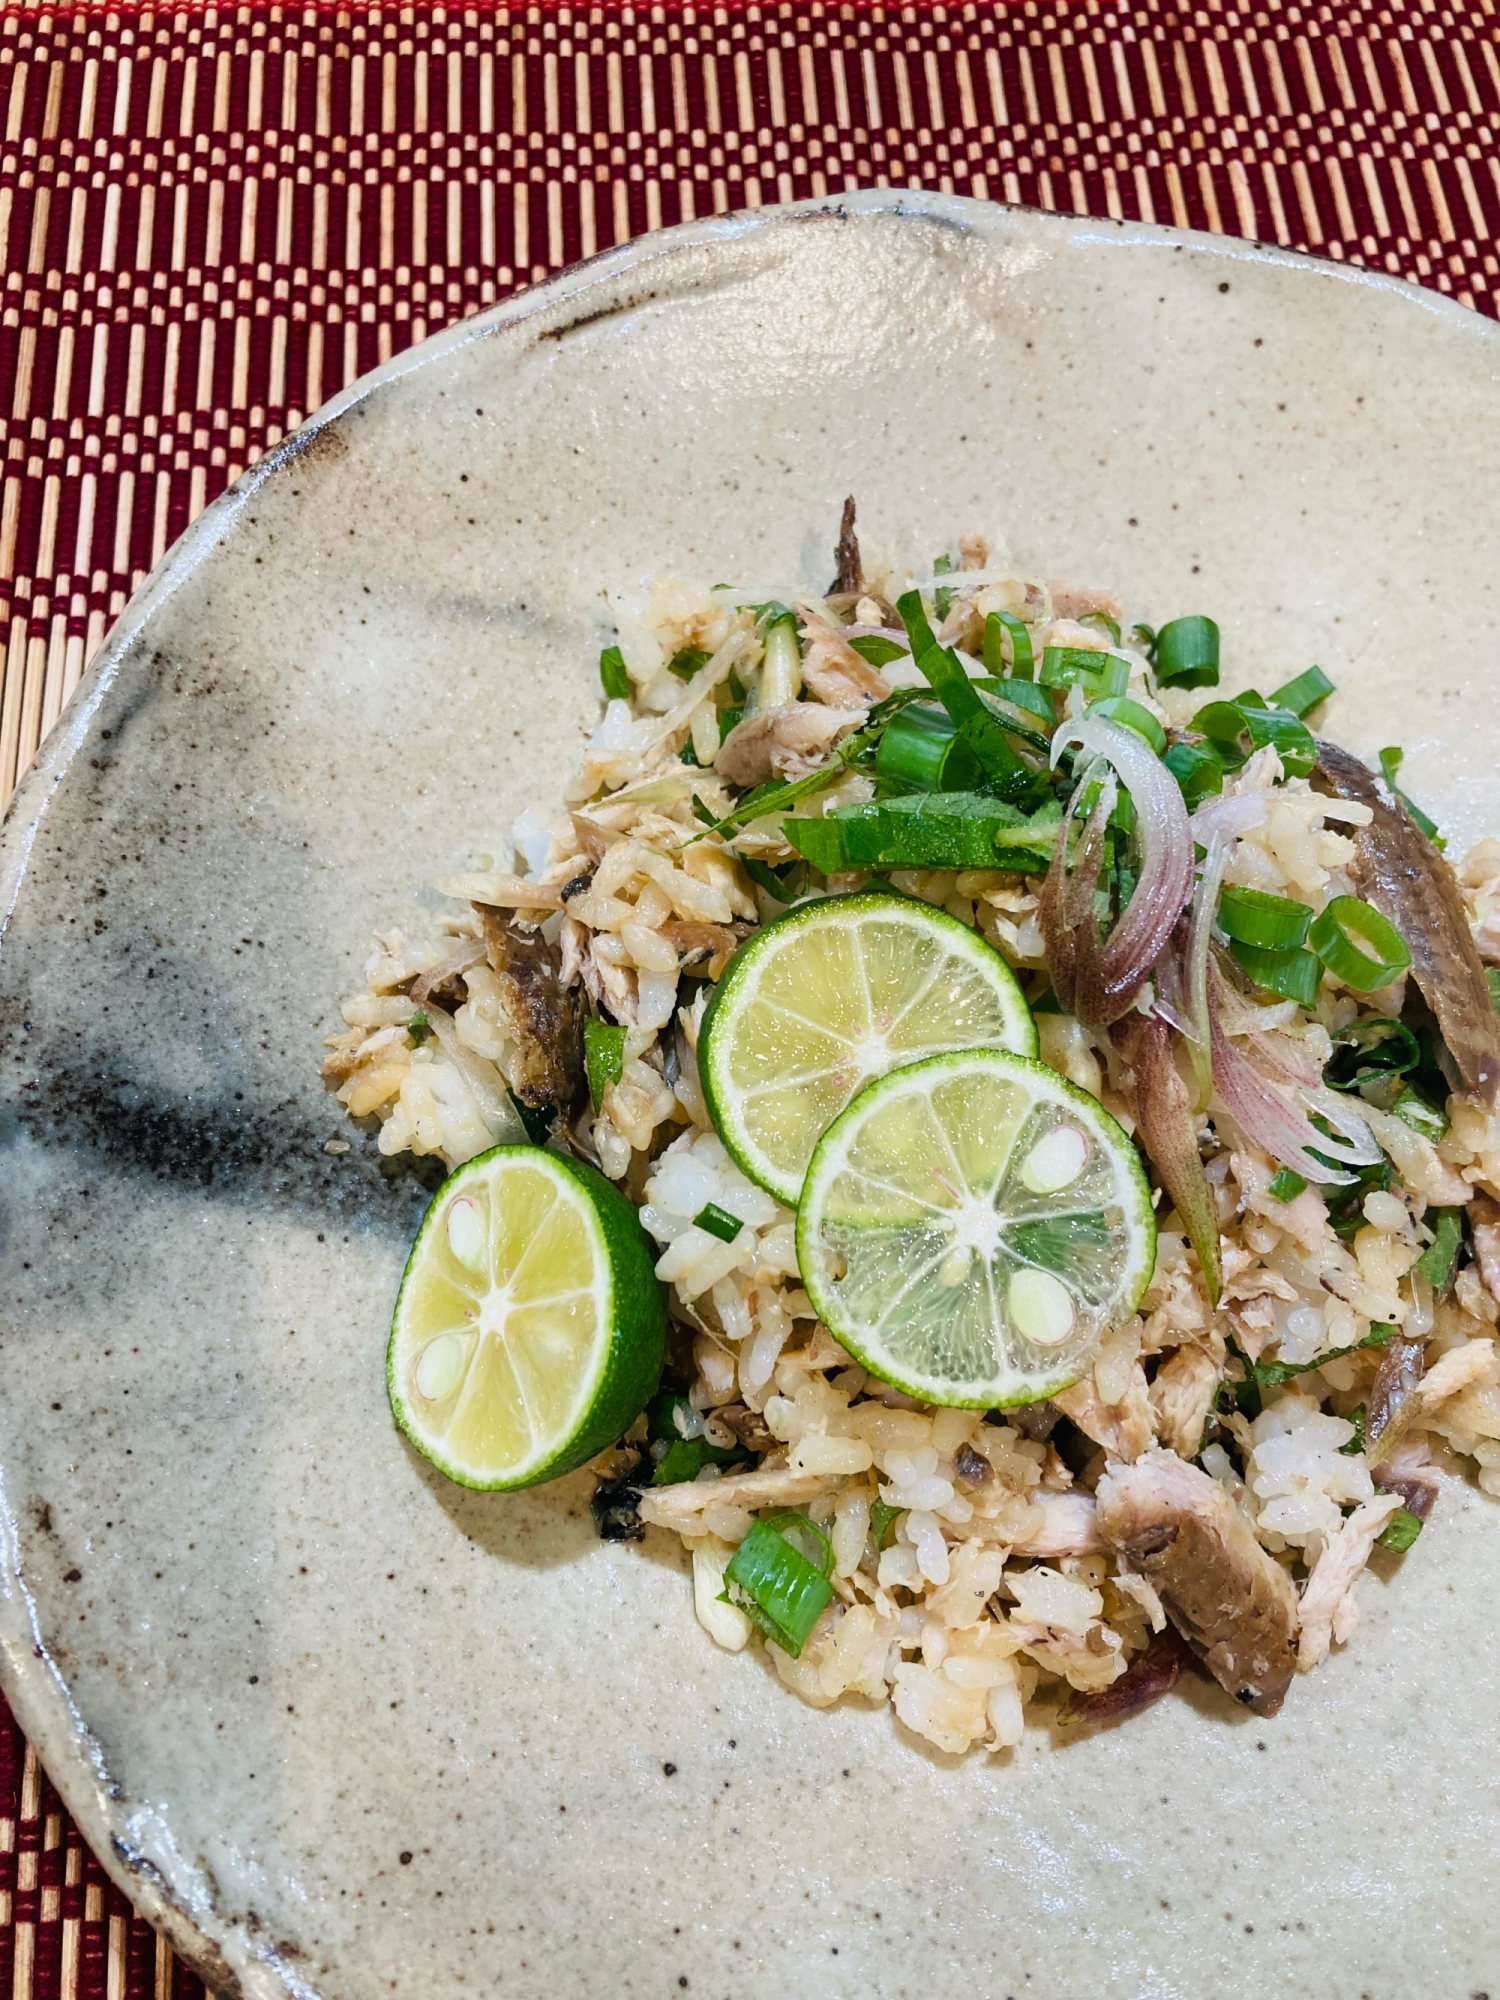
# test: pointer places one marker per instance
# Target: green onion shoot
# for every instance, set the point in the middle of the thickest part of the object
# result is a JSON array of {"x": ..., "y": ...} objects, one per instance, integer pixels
[
  {"x": 776, "y": 1585},
  {"x": 718, "y": 1222}
]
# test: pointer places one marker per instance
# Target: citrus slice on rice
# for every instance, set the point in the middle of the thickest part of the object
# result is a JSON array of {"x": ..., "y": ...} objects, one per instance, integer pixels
[
  {"x": 529, "y": 1330},
  {"x": 832, "y": 994},
  {"x": 971, "y": 1225}
]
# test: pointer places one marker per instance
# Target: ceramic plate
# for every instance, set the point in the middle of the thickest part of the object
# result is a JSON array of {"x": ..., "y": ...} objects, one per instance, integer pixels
[{"x": 349, "y": 1731}]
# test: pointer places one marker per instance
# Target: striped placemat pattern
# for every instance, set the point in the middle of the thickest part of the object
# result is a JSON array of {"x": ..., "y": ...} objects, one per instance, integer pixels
[
  {"x": 65, "y": 1930},
  {"x": 211, "y": 218}
]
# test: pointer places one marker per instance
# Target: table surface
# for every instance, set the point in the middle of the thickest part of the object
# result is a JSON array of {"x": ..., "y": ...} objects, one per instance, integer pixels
[{"x": 213, "y": 218}]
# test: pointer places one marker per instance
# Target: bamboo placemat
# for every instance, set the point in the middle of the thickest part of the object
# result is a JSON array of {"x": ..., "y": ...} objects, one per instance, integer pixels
[{"x": 212, "y": 218}]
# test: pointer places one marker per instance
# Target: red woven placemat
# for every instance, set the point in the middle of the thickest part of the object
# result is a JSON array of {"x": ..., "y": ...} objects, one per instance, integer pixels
[{"x": 212, "y": 218}]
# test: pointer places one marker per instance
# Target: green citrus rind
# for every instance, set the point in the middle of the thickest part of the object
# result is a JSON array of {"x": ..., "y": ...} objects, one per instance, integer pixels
[
  {"x": 987, "y": 1086},
  {"x": 629, "y": 1342},
  {"x": 1000, "y": 1017}
]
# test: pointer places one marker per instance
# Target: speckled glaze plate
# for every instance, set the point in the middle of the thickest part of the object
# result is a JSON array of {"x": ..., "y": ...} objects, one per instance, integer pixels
[{"x": 346, "y": 1730}]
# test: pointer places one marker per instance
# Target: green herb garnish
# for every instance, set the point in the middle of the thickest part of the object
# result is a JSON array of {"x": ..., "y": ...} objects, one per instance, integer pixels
[
  {"x": 1286, "y": 1184},
  {"x": 1367, "y": 1050},
  {"x": 419, "y": 1027},
  {"x": 537, "y": 1118},
  {"x": 883, "y": 1517},
  {"x": 687, "y": 662},
  {"x": 603, "y": 1056},
  {"x": 1356, "y": 1444},
  {"x": 612, "y": 674},
  {"x": 1400, "y": 1531},
  {"x": 928, "y": 830},
  {"x": 1436, "y": 1262},
  {"x": 877, "y": 649},
  {"x": 941, "y": 669}
]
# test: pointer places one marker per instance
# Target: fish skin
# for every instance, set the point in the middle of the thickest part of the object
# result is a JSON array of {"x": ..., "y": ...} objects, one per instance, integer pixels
[{"x": 1399, "y": 871}]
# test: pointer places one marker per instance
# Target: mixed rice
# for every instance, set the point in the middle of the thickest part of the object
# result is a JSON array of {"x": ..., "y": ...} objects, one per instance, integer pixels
[{"x": 981, "y": 1561}]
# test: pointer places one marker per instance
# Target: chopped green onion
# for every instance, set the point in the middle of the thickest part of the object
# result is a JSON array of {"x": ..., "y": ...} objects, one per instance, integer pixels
[
  {"x": 1255, "y": 916},
  {"x": 1367, "y": 1050},
  {"x": 1198, "y": 770},
  {"x": 1098, "y": 672},
  {"x": 1303, "y": 694},
  {"x": 419, "y": 1027},
  {"x": 1390, "y": 763},
  {"x": 718, "y": 1222},
  {"x": 781, "y": 670},
  {"x": 1106, "y": 624},
  {"x": 772, "y": 609},
  {"x": 921, "y": 751},
  {"x": 877, "y": 649},
  {"x": 1022, "y": 662},
  {"x": 728, "y": 717},
  {"x": 942, "y": 600},
  {"x": 1290, "y": 737},
  {"x": 1492, "y": 980},
  {"x": 883, "y": 1517},
  {"x": 1333, "y": 935},
  {"x": 1400, "y": 1531},
  {"x": 775, "y": 1585},
  {"x": 1222, "y": 723},
  {"x": 612, "y": 674},
  {"x": 1436, "y": 1262},
  {"x": 1286, "y": 1184},
  {"x": 1145, "y": 638},
  {"x": 1187, "y": 653},
  {"x": 1356, "y": 1444},
  {"x": 1120, "y": 708},
  {"x": 1291, "y": 975},
  {"x": 1414, "y": 1110},
  {"x": 603, "y": 1056},
  {"x": 686, "y": 662}
]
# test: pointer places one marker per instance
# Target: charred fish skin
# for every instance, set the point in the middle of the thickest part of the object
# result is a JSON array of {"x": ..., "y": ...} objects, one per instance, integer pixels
[
  {"x": 1400, "y": 872},
  {"x": 545, "y": 1016},
  {"x": 1233, "y": 1604}
]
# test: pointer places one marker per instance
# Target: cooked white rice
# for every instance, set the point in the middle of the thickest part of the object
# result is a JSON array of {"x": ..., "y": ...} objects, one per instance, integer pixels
[{"x": 952, "y": 1619}]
